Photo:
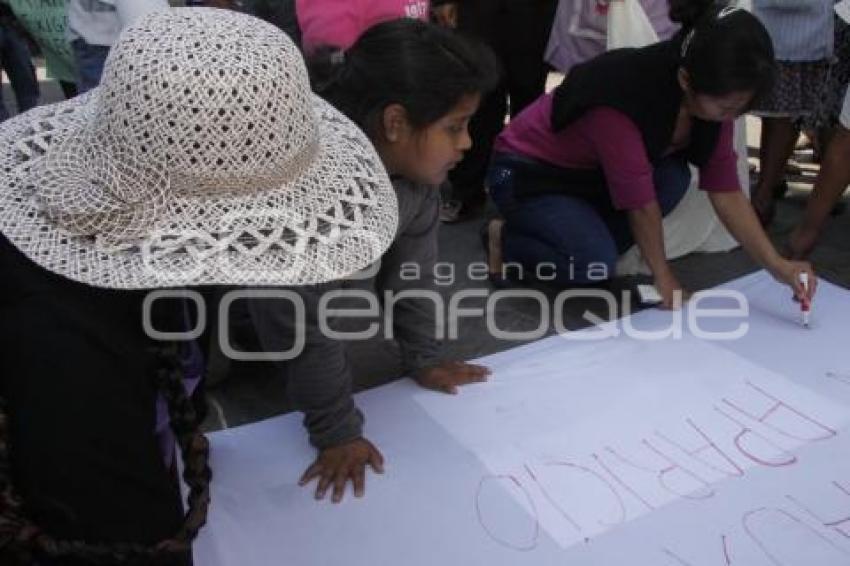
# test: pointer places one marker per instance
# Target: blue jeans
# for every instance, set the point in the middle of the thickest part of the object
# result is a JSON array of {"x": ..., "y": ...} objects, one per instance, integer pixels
[
  {"x": 90, "y": 60},
  {"x": 17, "y": 62},
  {"x": 580, "y": 236}
]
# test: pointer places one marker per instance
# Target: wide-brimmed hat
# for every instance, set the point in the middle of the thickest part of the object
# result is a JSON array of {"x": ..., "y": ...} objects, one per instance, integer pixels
[{"x": 202, "y": 158}]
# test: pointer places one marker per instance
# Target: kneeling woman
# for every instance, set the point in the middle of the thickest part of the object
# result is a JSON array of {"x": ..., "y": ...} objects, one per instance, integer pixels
[{"x": 592, "y": 168}]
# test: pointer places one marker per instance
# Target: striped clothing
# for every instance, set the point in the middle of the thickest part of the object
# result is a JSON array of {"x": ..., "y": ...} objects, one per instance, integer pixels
[
  {"x": 802, "y": 30},
  {"x": 99, "y": 22}
]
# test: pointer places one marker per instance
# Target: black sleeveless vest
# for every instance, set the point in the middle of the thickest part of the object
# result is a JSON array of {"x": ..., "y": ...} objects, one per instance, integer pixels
[{"x": 642, "y": 84}]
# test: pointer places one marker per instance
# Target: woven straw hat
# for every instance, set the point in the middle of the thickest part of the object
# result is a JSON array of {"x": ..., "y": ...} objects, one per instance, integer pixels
[{"x": 203, "y": 158}]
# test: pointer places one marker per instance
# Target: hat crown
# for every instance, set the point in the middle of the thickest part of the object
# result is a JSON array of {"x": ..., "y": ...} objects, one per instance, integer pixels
[{"x": 221, "y": 98}]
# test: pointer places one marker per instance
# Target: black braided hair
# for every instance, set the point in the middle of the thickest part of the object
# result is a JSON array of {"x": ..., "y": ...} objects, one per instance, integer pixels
[{"x": 23, "y": 543}]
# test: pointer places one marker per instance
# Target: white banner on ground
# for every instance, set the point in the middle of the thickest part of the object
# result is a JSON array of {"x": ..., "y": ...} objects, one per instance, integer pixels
[{"x": 668, "y": 452}]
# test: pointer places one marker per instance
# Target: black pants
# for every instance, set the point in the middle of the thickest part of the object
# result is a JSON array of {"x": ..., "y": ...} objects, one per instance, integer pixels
[{"x": 518, "y": 31}]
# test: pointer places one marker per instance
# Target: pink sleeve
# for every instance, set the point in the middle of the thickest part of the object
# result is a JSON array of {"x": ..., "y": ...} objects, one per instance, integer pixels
[
  {"x": 328, "y": 22},
  {"x": 619, "y": 147},
  {"x": 720, "y": 173}
]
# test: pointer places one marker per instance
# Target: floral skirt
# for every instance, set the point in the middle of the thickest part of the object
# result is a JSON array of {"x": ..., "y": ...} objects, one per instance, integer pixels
[
  {"x": 832, "y": 96},
  {"x": 798, "y": 90}
]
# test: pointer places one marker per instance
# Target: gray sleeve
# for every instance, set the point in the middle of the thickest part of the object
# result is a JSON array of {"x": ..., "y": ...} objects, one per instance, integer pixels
[
  {"x": 318, "y": 381},
  {"x": 414, "y": 319}
]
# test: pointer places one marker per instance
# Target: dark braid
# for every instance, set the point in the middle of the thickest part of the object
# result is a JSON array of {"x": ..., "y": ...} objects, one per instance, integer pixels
[{"x": 22, "y": 542}]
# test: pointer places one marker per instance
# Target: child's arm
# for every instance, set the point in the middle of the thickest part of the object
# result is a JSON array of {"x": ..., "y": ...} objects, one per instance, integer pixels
[
  {"x": 318, "y": 382},
  {"x": 414, "y": 317}
]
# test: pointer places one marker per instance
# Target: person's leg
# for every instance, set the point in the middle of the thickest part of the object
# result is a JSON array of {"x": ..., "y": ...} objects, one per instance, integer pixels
[
  {"x": 778, "y": 138},
  {"x": 90, "y": 60},
  {"x": 559, "y": 235},
  {"x": 525, "y": 29},
  {"x": 832, "y": 181},
  {"x": 467, "y": 179},
  {"x": 478, "y": 19},
  {"x": 17, "y": 62}
]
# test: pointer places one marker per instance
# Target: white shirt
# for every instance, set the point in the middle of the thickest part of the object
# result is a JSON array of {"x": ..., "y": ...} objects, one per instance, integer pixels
[{"x": 99, "y": 22}]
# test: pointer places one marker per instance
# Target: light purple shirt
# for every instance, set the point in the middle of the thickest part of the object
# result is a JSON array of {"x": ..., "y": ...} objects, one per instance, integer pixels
[{"x": 580, "y": 31}]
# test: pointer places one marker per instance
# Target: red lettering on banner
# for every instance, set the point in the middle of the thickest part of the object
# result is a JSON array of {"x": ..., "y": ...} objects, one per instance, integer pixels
[
  {"x": 840, "y": 525},
  {"x": 746, "y": 520},
  {"x": 774, "y": 410},
  {"x": 708, "y": 446},
  {"x": 745, "y": 432},
  {"x": 663, "y": 472},
  {"x": 607, "y": 484},
  {"x": 519, "y": 545},
  {"x": 552, "y": 501}
]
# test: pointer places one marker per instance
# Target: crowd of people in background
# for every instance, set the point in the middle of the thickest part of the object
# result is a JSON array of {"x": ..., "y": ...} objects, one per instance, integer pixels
[
  {"x": 812, "y": 48},
  {"x": 343, "y": 116}
]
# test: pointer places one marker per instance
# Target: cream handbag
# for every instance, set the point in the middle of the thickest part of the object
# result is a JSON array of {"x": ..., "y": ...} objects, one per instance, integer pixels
[{"x": 628, "y": 25}]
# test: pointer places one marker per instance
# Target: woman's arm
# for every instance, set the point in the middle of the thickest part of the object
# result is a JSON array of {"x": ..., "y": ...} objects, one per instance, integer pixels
[{"x": 648, "y": 231}]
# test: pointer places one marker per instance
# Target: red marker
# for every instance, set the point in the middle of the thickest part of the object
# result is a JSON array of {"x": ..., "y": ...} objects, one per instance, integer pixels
[{"x": 805, "y": 303}]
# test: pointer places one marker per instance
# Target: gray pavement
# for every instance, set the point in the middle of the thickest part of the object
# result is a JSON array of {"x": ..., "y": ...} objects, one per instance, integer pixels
[{"x": 246, "y": 392}]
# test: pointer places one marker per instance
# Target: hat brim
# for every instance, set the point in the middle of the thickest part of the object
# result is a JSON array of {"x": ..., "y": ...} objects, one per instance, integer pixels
[{"x": 336, "y": 217}]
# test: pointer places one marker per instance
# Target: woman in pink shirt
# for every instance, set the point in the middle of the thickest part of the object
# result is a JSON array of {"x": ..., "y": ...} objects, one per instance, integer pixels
[
  {"x": 588, "y": 171},
  {"x": 338, "y": 23}
]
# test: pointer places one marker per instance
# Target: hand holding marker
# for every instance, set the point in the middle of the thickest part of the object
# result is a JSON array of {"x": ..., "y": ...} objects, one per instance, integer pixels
[{"x": 805, "y": 303}]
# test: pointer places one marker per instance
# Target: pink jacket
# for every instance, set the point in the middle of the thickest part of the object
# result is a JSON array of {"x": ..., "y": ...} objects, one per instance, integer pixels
[{"x": 340, "y": 22}]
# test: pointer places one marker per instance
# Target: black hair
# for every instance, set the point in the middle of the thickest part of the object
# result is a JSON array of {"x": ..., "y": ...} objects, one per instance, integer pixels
[
  {"x": 425, "y": 68},
  {"x": 23, "y": 543},
  {"x": 724, "y": 49}
]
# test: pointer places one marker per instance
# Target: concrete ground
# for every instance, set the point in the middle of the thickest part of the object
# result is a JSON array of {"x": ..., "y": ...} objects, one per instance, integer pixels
[{"x": 245, "y": 392}]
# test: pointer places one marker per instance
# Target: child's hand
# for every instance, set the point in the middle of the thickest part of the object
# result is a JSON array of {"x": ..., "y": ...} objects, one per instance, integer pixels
[
  {"x": 447, "y": 376},
  {"x": 338, "y": 464}
]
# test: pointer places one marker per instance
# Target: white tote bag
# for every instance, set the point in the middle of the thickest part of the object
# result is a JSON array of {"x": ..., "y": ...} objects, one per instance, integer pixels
[{"x": 628, "y": 25}]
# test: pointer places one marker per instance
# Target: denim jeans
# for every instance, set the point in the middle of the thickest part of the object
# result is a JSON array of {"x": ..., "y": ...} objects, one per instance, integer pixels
[
  {"x": 577, "y": 235},
  {"x": 17, "y": 62},
  {"x": 90, "y": 60}
]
